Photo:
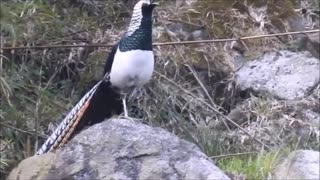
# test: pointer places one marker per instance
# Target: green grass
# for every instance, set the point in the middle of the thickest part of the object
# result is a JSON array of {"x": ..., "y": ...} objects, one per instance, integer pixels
[{"x": 252, "y": 166}]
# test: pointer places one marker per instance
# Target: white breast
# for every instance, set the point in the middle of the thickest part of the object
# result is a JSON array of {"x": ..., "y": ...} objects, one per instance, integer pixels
[{"x": 132, "y": 68}]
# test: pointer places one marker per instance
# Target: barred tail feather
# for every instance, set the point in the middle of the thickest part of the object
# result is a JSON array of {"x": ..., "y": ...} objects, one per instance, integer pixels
[
  {"x": 66, "y": 123},
  {"x": 99, "y": 103}
]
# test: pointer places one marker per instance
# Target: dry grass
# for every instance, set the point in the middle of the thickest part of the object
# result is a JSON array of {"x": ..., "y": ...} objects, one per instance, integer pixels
[{"x": 191, "y": 94}]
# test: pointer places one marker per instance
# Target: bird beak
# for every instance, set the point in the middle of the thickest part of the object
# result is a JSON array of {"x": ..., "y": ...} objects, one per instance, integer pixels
[{"x": 153, "y": 5}]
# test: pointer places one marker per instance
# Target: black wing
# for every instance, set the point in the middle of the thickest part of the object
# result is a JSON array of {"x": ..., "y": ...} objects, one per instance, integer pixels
[{"x": 109, "y": 61}]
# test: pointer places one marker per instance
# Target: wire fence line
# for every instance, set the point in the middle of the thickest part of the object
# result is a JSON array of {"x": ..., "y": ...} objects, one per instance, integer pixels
[{"x": 165, "y": 43}]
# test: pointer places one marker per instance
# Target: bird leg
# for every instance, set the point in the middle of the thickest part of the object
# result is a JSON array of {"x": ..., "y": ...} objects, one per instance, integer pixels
[
  {"x": 125, "y": 110},
  {"x": 129, "y": 95}
]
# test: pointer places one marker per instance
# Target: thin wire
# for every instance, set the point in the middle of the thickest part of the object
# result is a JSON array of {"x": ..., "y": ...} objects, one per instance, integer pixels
[{"x": 166, "y": 43}]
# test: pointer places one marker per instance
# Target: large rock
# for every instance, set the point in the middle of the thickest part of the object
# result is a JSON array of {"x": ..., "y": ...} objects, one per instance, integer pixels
[
  {"x": 121, "y": 149},
  {"x": 283, "y": 74},
  {"x": 300, "y": 164}
]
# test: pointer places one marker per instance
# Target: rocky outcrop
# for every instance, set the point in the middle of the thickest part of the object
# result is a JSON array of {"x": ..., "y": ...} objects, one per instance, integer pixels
[
  {"x": 282, "y": 74},
  {"x": 121, "y": 149},
  {"x": 300, "y": 164}
]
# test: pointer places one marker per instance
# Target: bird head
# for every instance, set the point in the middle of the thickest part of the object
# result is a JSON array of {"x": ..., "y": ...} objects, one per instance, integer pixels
[
  {"x": 141, "y": 11},
  {"x": 146, "y": 7}
]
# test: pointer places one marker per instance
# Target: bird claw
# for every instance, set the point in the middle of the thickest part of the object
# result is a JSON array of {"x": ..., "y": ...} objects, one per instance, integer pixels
[{"x": 128, "y": 118}]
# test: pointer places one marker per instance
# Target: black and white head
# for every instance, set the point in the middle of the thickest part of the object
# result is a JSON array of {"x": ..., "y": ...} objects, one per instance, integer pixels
[
  {"x": 142, "y": 13},
  {"x": 139, "y": 32}
]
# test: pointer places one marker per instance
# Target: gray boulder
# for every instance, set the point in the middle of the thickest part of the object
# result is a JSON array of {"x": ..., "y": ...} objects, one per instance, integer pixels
[
  {"x": 121, "y": 149},
  {"x": 283, "y": 74},
  {"x": 300, "y": 164}
]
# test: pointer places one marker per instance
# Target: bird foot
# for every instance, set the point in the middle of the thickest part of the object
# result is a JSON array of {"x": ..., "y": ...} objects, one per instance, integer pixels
[{"x": 128, "y": 118}]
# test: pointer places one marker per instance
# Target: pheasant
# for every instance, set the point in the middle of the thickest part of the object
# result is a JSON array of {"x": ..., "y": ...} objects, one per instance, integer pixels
[{"x": 129, "y": 65}]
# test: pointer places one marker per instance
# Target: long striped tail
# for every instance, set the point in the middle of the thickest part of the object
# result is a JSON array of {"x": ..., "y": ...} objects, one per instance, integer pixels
[{"x": 99, "y": 103}]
